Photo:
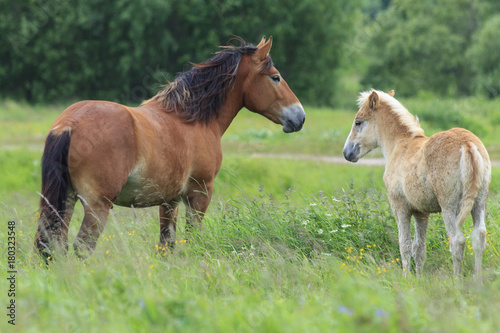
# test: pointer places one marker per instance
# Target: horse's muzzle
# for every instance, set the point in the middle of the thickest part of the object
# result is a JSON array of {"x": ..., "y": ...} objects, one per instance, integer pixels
[
  {"x": 351, "y": 151},
  {"x": 293, "y": 118}
]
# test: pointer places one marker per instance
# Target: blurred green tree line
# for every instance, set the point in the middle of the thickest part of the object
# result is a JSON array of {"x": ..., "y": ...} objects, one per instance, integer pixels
[
  {"x": 446, "y": 47},
  {"x": 123, "y": 50}
]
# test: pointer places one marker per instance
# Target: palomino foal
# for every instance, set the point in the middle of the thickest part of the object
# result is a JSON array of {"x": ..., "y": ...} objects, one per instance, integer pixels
[
  {"x": 450, "y": 172},
  {"x": 162, "y": 153}
]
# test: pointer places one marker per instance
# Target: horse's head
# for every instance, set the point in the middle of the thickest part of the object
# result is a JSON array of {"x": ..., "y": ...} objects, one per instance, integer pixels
[
  {"x": 363, "y": 137},
  {"x": 266, "y": 92}
]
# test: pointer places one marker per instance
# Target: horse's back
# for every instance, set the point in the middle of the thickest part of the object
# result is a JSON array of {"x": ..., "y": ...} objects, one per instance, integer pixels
[
  {"x": 102, "y": 150},
  {"x": 135, "y": 156}
]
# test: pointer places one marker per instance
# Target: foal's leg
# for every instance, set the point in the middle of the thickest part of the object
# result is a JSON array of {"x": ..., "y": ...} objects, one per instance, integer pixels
[
  {"x": 478, "y": 237},
  {"x": 457, "y": 239},
  {"x": 419, "y": 246},
  {"x": 168, "y": 221},
  {"x": 96, "y": 215},
  {"x": 404, "y": 228}
]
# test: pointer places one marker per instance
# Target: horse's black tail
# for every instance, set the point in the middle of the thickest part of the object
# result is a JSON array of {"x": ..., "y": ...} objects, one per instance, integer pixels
[{"x": 55, "y": 183}]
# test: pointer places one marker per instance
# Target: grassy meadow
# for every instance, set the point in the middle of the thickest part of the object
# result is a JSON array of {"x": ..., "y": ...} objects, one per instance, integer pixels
[{"x": 287, "y": 245}]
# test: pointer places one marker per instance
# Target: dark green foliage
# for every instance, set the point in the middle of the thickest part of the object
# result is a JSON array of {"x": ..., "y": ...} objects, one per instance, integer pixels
[
  {"x": 444, "y": 47},
  {"x": 484, "y": 56},
  {"x": 420, "y": 45},
  {"x": 123, "y": 50}
]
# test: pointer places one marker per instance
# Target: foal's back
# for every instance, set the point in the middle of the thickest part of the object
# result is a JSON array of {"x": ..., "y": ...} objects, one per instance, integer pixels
[
  {"x": 458, "y": 167},
  {"x": 444, "y": 171}
]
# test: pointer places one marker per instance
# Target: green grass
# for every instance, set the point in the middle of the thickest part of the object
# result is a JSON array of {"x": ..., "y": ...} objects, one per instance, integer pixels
[
  {"x": 259, "y": 265},
  {"x": 286, "y": 246}
]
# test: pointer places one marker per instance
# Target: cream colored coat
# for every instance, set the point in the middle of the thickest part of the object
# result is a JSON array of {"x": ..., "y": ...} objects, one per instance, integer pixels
[{"x": 449, "y": 172}]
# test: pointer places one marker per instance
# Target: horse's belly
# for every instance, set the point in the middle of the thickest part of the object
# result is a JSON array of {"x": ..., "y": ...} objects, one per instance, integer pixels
[{"x": 144, "y": 192}]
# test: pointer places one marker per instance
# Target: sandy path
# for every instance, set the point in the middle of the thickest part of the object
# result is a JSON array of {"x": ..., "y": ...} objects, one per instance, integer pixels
[
  {"x": 331, "y": 159},
  {"x": 373, "y": 161}
]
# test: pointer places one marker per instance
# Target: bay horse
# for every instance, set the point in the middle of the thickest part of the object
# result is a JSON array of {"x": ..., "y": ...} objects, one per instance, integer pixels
[
  {"x": 162, "y": 153},
  {"x": 449, "y": 172}
]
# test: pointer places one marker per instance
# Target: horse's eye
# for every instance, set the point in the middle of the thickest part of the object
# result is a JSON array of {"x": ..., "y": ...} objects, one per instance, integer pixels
[
  {"x": 276, "y": 78},
  {"x": 357, "y": 123}
]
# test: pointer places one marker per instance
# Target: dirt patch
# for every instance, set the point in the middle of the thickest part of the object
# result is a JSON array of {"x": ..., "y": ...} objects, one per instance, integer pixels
[{"x": 331, "y": 159}]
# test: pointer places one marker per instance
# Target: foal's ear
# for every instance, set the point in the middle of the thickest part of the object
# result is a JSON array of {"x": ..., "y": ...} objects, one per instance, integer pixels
[
  {"x": 263, "y": 51},
  {"x": 373, "y": 100},
  {"x": 391, "y": 93}
]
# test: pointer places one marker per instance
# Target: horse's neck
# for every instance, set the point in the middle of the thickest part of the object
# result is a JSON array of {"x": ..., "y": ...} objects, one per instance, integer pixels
[{"x": 228, "y": 111}]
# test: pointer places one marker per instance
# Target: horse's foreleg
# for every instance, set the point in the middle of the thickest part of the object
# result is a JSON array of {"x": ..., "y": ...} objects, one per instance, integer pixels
[
  {"x": 196, "y": 203},
  {"x": 457, "y": 239},
  {"x": 419, "y": 246},
  {"x": 168, "y": 223},
  {"x": 404, "y": 230},
  {"x": 92, "y": 226},
  {"x": 478, "y": 238}
]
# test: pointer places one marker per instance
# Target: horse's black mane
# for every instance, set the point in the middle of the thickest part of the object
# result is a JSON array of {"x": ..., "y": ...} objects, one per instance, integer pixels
[{"x": 198, "y": 94}]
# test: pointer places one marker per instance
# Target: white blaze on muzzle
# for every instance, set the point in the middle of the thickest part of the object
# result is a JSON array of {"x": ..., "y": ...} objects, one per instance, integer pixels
[{"x": 292, "y": 118}]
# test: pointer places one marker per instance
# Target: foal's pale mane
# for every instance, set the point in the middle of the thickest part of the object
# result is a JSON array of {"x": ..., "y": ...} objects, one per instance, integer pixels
[{"x": 406, "y": 118}]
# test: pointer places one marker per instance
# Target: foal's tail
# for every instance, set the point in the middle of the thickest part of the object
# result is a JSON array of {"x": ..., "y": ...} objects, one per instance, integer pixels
[
  {"x": 473, "y": 169},
  {"x": 55, "y": 183}
]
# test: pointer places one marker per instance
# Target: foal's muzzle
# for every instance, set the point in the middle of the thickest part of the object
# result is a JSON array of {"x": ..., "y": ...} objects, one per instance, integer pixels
[
  {"x": 351, "y": 151},
  {"x": 292, "y": 118}
]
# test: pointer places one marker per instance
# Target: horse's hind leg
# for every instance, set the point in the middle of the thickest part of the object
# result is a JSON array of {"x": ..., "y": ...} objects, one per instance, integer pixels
[
  {"x": 60, "y": 237},
  {"x": 93, "y": 223},
  {"x": 478, "y": 236},
  {"x": 419, "y": 246},
  {"x": 457, "y": 239},
  {"x": 168, "y": 223},
  {"x": 70, "y": 207}
]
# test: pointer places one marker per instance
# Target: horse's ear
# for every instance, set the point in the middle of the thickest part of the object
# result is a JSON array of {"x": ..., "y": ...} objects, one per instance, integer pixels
[
  {"x": 262, "y": 42},
  {"x": 391, "y": 93},
  {"x": 373, "y": 100},
  {"x": 263, "y": 51}
]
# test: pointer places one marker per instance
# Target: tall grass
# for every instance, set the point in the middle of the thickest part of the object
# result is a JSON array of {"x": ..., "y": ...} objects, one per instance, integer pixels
[{"x": 312, "y": 263}]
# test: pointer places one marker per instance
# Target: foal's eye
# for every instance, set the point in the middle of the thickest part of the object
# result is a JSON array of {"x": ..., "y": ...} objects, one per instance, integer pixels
[
  {"x": 357, "y": 123},
  {"x": 276, "y": 78}
]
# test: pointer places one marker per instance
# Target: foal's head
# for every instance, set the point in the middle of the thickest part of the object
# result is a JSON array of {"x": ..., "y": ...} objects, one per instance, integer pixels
[
  {"x": 380, "y": 115},
  {"x": 266, "y": 92},
  {"x": 363, "y": 136}
]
